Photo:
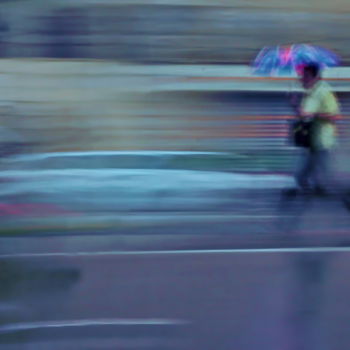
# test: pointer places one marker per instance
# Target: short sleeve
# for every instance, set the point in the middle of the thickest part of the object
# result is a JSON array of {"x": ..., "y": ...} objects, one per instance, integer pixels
[{"x": 331, "y": 105}]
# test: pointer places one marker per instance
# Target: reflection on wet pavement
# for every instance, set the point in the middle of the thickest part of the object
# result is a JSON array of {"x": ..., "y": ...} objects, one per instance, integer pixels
[{"x": 175, "y": 300}]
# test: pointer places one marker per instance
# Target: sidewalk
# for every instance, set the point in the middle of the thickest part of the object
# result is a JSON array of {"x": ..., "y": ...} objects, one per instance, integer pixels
[
  {"x": 162, "y": 202},
  {"x": 122, "y": 190}
]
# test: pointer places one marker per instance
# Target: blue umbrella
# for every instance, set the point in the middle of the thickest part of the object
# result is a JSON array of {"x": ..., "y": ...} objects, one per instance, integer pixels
[{"x": 286, "y": 60}]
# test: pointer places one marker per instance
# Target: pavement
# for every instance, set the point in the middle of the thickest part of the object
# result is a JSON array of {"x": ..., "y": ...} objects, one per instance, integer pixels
[
  {"x": 226, "y": 298},
  {"x": 167, "y": 259}
]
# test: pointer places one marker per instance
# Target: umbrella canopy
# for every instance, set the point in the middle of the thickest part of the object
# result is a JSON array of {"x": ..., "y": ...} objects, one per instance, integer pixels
[{"x": 286, "y": 60}]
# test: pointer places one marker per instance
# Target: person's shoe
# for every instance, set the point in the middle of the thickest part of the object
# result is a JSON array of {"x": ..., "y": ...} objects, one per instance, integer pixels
[{"x": 290, "y": 192}]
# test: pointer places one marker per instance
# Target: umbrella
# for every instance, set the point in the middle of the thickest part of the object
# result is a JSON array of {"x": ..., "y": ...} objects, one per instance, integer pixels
[{"x": 286, "y": 60}]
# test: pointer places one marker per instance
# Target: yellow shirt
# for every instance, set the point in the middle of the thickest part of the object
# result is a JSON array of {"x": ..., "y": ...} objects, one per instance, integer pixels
[{"x": 321, "y": 101}]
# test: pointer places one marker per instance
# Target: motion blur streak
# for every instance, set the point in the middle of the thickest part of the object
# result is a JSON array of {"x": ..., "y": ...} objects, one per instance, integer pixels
[{"x": 141, "y": 160}]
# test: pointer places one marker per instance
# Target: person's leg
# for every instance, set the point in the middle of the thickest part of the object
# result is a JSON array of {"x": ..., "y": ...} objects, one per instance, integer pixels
[
  {"x": 305, "y": 170},
  {"x": 321, "y": 175}
]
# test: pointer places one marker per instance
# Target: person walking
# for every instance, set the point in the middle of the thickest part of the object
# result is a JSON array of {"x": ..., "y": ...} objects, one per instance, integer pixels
[{"x": 315, "y": 131}]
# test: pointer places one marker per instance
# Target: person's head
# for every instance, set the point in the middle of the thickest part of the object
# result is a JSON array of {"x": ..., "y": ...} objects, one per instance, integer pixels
[{"x": 311, "y": 74}]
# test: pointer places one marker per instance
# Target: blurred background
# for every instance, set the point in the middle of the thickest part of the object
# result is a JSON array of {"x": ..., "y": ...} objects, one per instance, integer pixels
[
  {"x": 131, "y": 105},
  {"x": 141, "y": 170}
]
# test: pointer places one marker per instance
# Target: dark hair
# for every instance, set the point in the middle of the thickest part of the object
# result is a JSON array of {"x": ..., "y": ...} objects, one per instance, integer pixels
[{"x": 313, "y": 68}]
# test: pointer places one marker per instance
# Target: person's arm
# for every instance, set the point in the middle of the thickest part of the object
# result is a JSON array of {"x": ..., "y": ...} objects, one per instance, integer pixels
[
  {"x": 331, "y": 107},
  {"x": 322, "y": 103},
  {"x": 309, "y": 106}
]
